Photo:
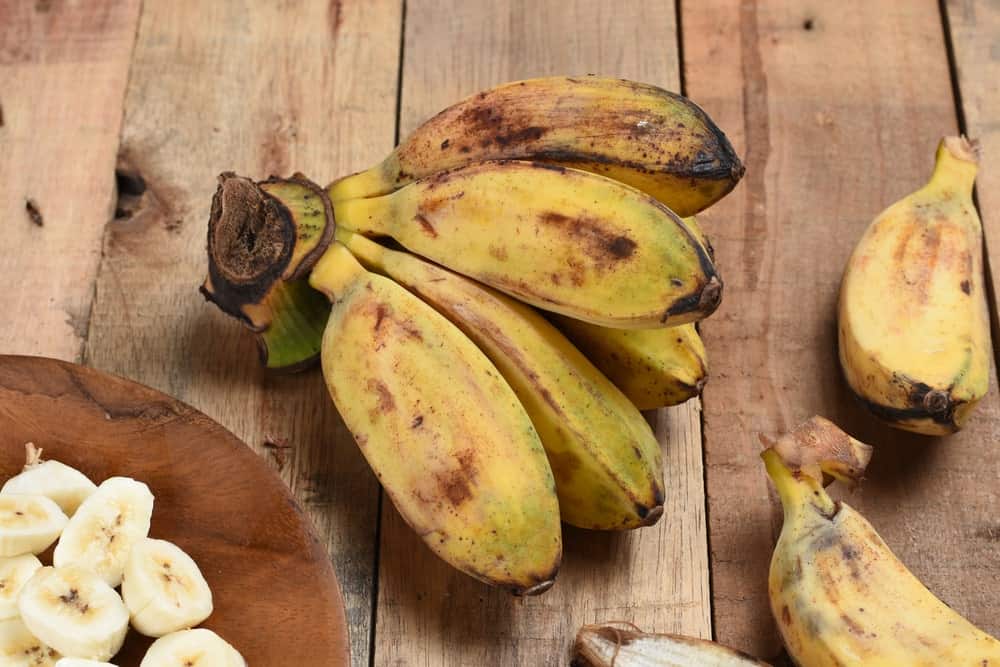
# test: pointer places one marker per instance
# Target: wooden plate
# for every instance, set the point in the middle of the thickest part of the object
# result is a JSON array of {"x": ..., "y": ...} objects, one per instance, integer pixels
[{"x": 276, "y": 596}]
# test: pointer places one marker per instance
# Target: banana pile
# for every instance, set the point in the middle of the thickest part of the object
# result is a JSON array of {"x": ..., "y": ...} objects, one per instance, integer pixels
[
  {"x": 69, "y": 614},
  {"x": 509, "y": 288}
]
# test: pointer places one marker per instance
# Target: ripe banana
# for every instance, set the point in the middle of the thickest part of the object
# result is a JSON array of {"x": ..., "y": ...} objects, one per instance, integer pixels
[
  {"x": 656, "y": 141},
  {"x": 163, "y": 589},
  {"x": 443, "y": 432},
  {"x": 105, "y": 527},
  {"x": 561, "y": 239},
  {"x": 624, "y": 645},
  {"x": 192, "y": 648},
  {"x": 914, "y": 329},
  {"x": 67, "y": 486},
  {"x": 29, "y": 524},
  {"x": 74, "y": 611},
  {"x": 653, "y": 367},
  {"x": 80, "y": 662},
  {"x": 604, "y": 457},
  {"x": 841, "y": 597},
  {"x": 20, "y": 648},
  {"x": 14, "y": 573}
]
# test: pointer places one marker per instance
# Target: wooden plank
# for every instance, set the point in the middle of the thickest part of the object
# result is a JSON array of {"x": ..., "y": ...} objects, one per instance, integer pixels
[
  {"x": 975, "y": 38},
  {"x": 838, "y": 109},
  {"x": 429, "y": 614},
  {"x": 63, "y": 68},
  {"x": 304, "y": 85}
]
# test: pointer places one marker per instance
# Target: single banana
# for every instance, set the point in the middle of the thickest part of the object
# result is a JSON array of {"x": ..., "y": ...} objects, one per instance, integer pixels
[
  {"x": 80, "y": 662},
  {"x": 653, "y": 367},
  {"x": 443, "y": 432},
  {"x": 561, "y": 239},
  {"x": 604, "y": 457},
  {"x": 192, "y": 648},
  {"x": 841, "y": 597},
  {"x": 29, "y": 524},
  {"x": 914, "y": 328},
  {"x": 656, "y": 141},
  {"x": 624, "y": 645},
  {"x": 14, "y": 573},
  {"x": 105, "y": 527},
  {"x": 163, "y": 589},
  {"x": 20, "y": 648},
  {"x": 67, "y": 486},
  {"x": 74, "y": 611}
]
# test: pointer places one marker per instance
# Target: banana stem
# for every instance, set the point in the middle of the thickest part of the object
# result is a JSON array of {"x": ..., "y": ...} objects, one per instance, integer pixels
[
  {"x": 335, "y": 272},
  {"x": 797, "y": 490},
  {"x": 955, "y": 166}
]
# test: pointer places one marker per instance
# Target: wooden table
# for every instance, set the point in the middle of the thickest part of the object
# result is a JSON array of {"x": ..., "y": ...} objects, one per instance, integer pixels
[{"x": 836, "y": 107}]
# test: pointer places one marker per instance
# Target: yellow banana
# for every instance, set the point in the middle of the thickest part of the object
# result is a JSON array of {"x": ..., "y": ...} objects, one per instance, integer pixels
[
  {"x": 604, "y": 457},
  {"x": 653, "y": 367},
  {"x": 841, "y": 598},
  {"x": 913, "y": 325},
  {"x": 656, "y": 141},
  {"x": 698, "y": 233},
  {"x": 561, "y": 239},
  {"x": 624, "y": 645}
]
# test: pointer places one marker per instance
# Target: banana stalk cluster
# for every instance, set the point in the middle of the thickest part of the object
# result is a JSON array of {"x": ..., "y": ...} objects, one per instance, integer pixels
[{"x": 509, "y": 288}]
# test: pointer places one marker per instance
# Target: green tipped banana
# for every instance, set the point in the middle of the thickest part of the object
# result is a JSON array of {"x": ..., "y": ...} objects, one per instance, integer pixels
[
  {"x": 604, "y": 457},
  {"x": 651, "y": 139}
]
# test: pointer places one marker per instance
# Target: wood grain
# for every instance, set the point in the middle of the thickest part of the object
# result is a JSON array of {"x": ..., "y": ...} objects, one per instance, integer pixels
[
  {"x": 259, "y": 88},
  {"x": 214, "y": 498},
  {"x": 428, "y": 614},
  {"x": 63, "y": 67},
  {"x": 838, "y": 110}
]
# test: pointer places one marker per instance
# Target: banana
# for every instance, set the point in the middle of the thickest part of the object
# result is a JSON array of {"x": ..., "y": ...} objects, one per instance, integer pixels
[
  {"x": 105, "y": 527},
  {"x": 79, "y": 662},
  {"x": 653, "y": 140},
  {"x": 604, "y": 457},
  {"x": 624, "y": 645},
  {"x": 192, "y": 648},
  {"x": 29, "y": 524},
  {"x": 20, "y": 648},
  {"x": 74, "y": 611},
  {"x": 841, "y": 597},
  {"x": 67, "y": 486},
  {"x": 14, "y": 572},
  {"x": 443, "y": 432},
  {"x": 913, "y": 326},
  {"x": 163, "y": 589},
  {"x": 561, "y": 239},
  {"x": 653, "y": 367}
]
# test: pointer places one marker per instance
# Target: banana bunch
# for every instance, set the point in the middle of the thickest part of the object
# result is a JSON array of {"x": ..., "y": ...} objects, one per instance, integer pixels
[
  {"x": 913, "y": 325},
  {"x": 838, "y": 594},
  {"x": 416, "y": 283}
]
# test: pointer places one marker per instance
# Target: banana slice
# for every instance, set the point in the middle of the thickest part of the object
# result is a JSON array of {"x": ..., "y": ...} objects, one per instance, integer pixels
[
  {"x": 74, "y": 611},
  {"x": 20, "y": 648},
  {"x": 101, "y": 534},
  {"x": 163, "y": 589},
  {"x": 68, "y": 487},
  {"x": 14, "y": 573},
  {"x": 192, "y": 648},
  {"x": 79, "y": 662},
  {"x": 29, "y": 524}
]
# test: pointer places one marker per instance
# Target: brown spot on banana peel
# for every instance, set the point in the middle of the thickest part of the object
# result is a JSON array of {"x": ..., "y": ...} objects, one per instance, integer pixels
[
  {"x": 384, "y": 401},
  {"x": 426, "y": 225},
  {"x": 605, "y": 246}
]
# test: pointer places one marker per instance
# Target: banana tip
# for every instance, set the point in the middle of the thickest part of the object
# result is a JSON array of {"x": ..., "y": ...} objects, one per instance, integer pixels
[
  {"x": 537, "y": 589},
  {"x": 652, "y": 516}
]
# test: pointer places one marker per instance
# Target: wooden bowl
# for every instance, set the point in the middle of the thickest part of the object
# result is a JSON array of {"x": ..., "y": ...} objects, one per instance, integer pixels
[{"x": 276, "y": 597}]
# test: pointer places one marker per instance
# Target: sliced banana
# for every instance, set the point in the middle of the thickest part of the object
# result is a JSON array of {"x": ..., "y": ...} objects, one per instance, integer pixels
[
  {"x": 20, "y": 648},
  {"x": 163, "y": 589},
  {"x": 80, "y": 662},
  {"x": 29, "y": 524},
  {"x": 67, "y": 486},
  {"x": 192, "y": 648},
  {"x": 14, "y": 573},
  {"x": 74, "y": 611},
  {"x": 101, "y": 534}
]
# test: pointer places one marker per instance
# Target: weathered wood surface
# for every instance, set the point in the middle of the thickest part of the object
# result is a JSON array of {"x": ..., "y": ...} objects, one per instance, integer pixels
[
  {"x": 289, "y": 86},
  {"x": 838, "y": 110}
]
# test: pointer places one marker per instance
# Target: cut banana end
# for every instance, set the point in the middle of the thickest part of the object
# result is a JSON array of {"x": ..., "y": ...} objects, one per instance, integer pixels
[
  {"x": 20, "y": 648},
  {"x": 74, "y": 611},
  {"x": 192, "y": 648},
  {"x": 80, "y": 662},
  {"x": 67, "y": 486},
  {"x": 29, "y": 524},
  {"x": 163, "y": 589},
  {"x": 14, "y": 573},
  {"x": 106, "y": 526},
  {"x": 624, "y": 645}
]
